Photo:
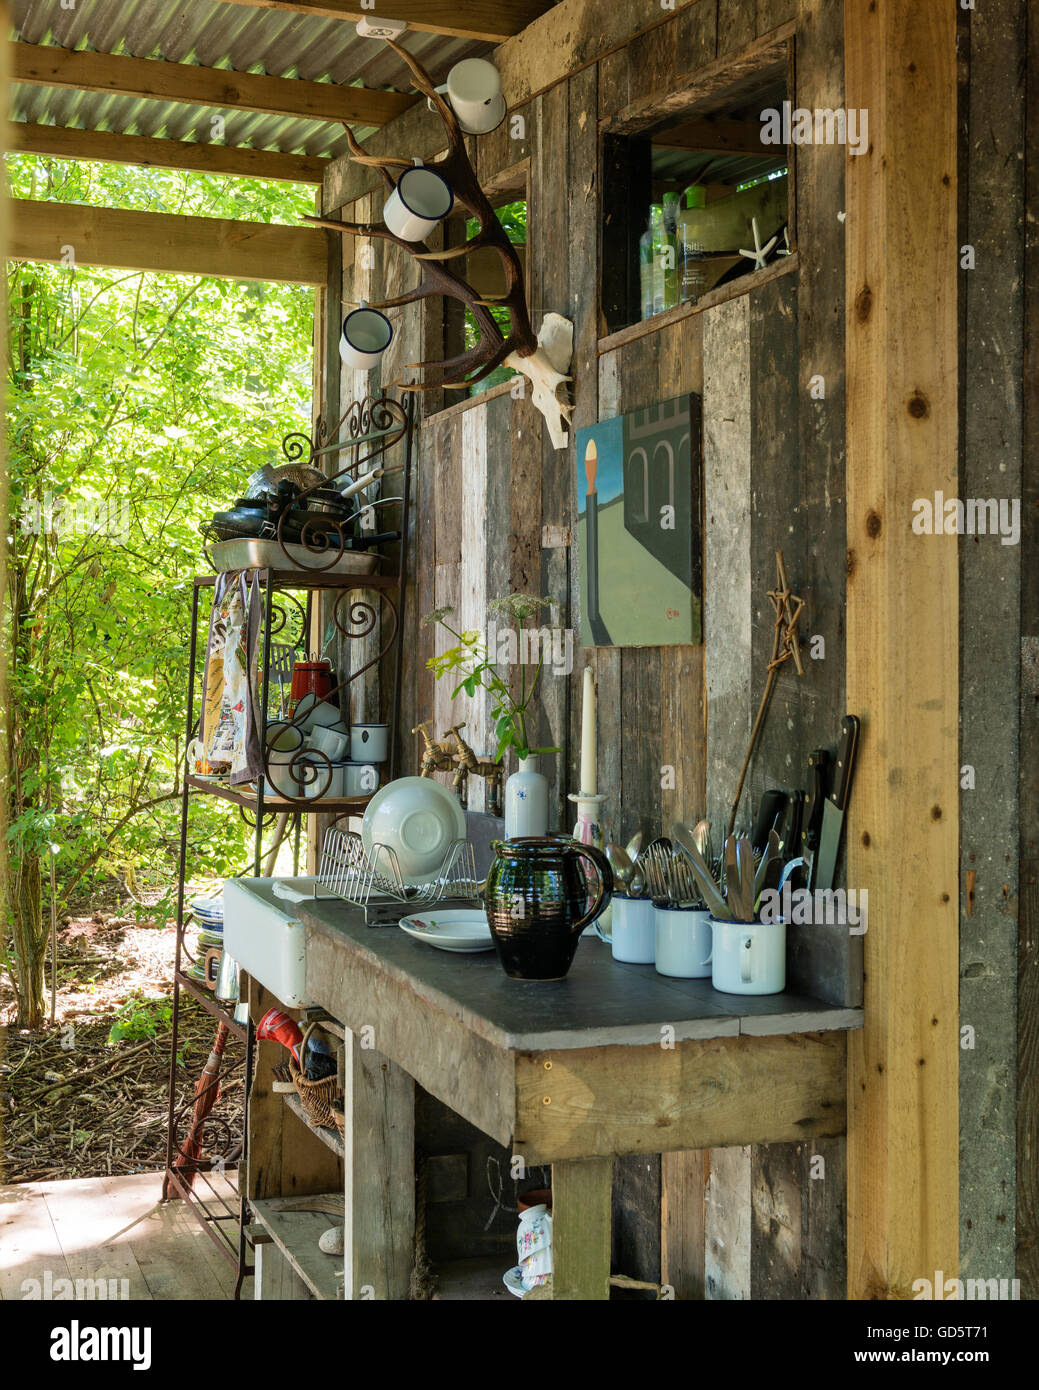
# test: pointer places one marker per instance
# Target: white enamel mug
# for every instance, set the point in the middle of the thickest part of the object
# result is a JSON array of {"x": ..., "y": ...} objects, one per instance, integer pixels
[
  {"x": 749, "y": 957},
  {"x": 632, "y": 935},
  {"x": 365, "y": 337},
  {"x": 474, "y": 90},
  {"x": 361, "y": 779},
  {"x": 683, "y": 942},
  {"x": 314, "y": 713},
  {"x": 369, "y": 743},
  {"x": 331, "y": 742},
  {"x": 284, "y": 740},
  {"x": 419, "y": 203},
  {"x": 329, "y": 782},
  {"x": 293, "y": 779}
]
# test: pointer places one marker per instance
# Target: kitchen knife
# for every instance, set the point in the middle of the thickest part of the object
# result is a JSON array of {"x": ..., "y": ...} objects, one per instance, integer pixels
[
  {"x": 773, "y": 804},
  {"x": 836, "y": 804},
  {"x": 790, "y": 829},
  {"x": 812, "y": 818}
]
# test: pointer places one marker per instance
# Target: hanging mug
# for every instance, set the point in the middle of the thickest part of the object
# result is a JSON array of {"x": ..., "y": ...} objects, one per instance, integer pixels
[
  {"x": 366, "y": 336},
  {"x": 473, "y": 88},
  {"x": 419, "y": 203}
]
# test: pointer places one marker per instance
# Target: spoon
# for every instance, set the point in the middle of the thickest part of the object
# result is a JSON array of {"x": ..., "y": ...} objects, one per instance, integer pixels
[
  {"x": 622, "y": 867},
  {"x": 634, "y": 845}
]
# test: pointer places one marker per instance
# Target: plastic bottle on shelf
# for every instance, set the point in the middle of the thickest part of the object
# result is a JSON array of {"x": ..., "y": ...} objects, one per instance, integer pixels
[
  {"x": 693, "y": 277},
  {"x": 658, "y": 241},
  {"x": 672, "y": 267},
  {"x": 646, "y": 273}
]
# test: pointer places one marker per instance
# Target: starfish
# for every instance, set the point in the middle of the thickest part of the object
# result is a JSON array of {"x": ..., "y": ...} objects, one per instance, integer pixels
[{"x": 760, "y": 252}]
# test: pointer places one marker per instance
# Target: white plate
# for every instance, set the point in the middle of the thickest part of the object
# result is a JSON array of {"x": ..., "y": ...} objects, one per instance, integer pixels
[
  {"x": 208, "y": 907},
  {"x": 463, "y": 929},
  {"x": 513, "y": 1281},
  {"x": 418, "y": 819}
]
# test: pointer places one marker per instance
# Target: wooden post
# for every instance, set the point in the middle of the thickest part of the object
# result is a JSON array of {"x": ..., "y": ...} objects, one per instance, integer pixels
[
  {"x": 902, "y": 623},
  {"x": 379, "y": 1173},
  {"x": 581, "y": 1195}
]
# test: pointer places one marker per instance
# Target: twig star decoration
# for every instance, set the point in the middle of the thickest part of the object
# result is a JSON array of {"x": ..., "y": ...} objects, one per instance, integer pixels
[
  {"x": 785, "y": 642},
  {"x": 786, "y": 646}
]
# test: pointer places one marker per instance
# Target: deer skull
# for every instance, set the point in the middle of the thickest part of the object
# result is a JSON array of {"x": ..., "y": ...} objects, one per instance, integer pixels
[{"x": 546, "y": 370}]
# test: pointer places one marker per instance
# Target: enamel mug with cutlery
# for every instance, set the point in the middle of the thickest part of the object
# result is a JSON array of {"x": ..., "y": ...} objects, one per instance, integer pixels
[
  {"x": 748, "y": 957},
  {"x": 632, "y": 936},
  {"x": 682, "y": 942}
]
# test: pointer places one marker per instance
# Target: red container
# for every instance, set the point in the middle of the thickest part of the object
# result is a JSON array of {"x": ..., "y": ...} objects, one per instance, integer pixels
[{"x": 309, "y": 677}]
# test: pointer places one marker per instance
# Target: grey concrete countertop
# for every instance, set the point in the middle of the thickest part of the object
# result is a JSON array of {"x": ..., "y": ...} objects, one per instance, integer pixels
[{"x": 602, "y": 1002}]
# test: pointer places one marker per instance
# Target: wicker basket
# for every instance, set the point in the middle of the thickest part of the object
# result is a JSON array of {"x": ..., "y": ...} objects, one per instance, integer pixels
[{"x": 316, "y": 1097}]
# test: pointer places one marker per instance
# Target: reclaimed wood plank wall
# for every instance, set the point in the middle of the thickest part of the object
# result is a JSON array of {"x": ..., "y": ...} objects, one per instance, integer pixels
[
  {"x": 993, "y": 668},
  {"x": 493, "y": 507},
  {"x": 744, "y": 357}
]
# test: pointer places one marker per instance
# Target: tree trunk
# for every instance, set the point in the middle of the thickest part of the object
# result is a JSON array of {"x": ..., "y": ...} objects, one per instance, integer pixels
[{"x": 29, "y": 938}]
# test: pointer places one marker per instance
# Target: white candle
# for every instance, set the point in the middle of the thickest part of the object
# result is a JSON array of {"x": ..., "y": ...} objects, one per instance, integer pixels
[{"x": 589, "y": 786}]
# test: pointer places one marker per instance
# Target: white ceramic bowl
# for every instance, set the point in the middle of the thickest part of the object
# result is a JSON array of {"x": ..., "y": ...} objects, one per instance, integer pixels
[{"x": 418, "y": 819}]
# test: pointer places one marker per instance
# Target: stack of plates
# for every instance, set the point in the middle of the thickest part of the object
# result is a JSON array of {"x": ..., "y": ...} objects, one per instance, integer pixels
[{"x": 209, "y": 914}]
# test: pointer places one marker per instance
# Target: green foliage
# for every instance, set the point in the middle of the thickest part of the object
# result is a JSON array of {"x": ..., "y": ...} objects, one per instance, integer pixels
[
  {"x": 137, "y": 405},
  {"x": 140, "y": 1018},
  {"x": 472, "y": 661}
]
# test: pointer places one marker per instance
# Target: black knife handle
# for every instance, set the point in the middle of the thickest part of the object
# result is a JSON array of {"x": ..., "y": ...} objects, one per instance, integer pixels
[
  {"x": 797, "y": 809},
  {"x": 845, "y": 764},
  {"x": 771, "y": 807},
  {"x": 813, "y": 815}
]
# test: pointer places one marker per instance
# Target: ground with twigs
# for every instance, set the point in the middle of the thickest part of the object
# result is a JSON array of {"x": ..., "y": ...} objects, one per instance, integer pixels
[{"x": 78, "y": 1099}]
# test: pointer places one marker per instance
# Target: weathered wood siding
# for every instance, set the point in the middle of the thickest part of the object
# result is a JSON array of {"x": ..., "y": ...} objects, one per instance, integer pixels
[{"x": 493, "y": 507}]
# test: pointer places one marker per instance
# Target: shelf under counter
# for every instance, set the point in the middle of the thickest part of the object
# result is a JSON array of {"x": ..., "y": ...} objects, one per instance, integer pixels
[{"x": 210, "y": 1003}]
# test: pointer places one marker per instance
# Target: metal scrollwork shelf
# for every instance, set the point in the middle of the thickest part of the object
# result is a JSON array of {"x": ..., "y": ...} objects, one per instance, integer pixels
[{"x": 359, "y": 607}]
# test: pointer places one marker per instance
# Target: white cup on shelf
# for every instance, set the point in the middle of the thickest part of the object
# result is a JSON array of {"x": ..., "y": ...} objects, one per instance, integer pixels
[
  {"x": 683, "y": 942},
  {"x": 632, "y": 934},
  {"x": 748, "y": 957}
]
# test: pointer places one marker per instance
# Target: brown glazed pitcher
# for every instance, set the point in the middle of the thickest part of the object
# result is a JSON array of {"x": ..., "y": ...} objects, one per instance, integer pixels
[{"x": 536, "y": 897}]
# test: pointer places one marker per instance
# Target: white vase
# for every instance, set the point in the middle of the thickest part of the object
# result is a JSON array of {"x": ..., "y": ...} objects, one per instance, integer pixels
[{"x": 526, "y": 801}]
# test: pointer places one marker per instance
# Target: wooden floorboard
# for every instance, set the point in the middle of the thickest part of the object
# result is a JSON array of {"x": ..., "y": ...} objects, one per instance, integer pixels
[
  {"x": 112, "y": 1228},
  {"x": 28, "y": 1241}
]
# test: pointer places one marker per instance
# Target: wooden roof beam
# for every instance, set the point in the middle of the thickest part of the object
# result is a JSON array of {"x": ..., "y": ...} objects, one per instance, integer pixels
[
  {"x": 66, "y": 142},
  {"x": 46, "y": 65},
  {"x": 166, "y": 243},
  {"x": 717, "y": 137},
  {"x": 490, "y": 20}
]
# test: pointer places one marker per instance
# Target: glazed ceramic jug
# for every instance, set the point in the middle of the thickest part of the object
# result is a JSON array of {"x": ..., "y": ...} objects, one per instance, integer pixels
[{"x": 536, "y": 903}]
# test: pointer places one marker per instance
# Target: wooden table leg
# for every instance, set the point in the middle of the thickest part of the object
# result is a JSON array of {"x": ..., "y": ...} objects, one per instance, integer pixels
[
  {"x": 379, "y": 1174},
  {"x": 582, "y": 1189},
  {"x": 276, "y": 1280}
]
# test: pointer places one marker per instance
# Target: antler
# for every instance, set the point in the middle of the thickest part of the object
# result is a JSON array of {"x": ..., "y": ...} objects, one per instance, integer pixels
[{"x": 536, "y": 358}]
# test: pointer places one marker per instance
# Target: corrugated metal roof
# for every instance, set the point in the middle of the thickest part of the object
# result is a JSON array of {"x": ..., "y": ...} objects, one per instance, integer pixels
[{"x": 215, "y": 35}]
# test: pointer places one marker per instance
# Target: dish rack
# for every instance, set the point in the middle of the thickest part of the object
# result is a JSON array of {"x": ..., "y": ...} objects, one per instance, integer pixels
[{"x": 374, "y": 882}]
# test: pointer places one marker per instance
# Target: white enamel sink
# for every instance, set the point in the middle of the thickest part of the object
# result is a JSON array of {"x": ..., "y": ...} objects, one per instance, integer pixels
[{"x": 265, "y": 938}]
